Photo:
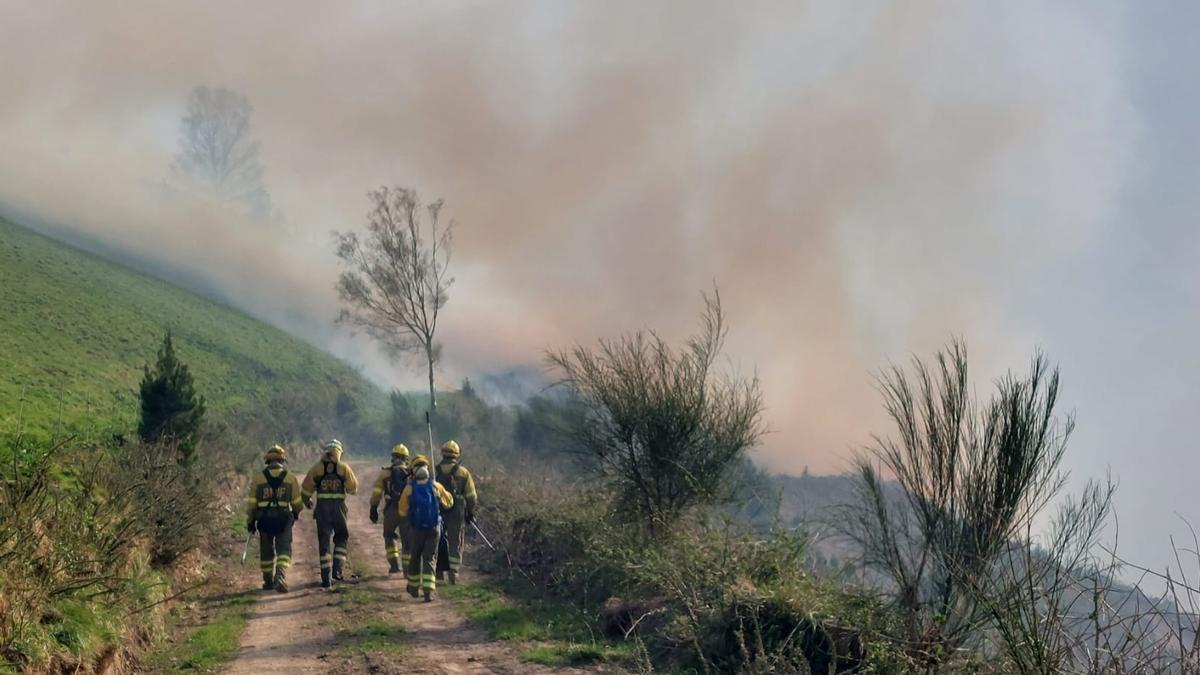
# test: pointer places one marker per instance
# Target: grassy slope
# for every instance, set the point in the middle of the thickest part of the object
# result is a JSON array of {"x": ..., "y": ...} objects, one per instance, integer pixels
[{"x": 77, "y": 330}]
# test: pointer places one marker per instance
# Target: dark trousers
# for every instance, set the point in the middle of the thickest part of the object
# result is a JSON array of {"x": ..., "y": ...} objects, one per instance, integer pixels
[
  {"x": 394, "y": 536},
  {"x": 275, "y": 552},
  {"x": 333, "y": 535},
  {"x": 455, "y": 523},
  {"x": 420, "y": 571}
]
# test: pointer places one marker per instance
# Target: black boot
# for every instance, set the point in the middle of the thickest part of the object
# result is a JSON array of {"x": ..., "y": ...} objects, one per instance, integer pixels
[
  {"x": 393, "y": 566},
  {"x": 325, "y": 578},
  {"x": 337, "y": 570},
  {"x": 280, "y": 581},
  {"x": 428, "y": 595},
  {"x": 268, "y": 581}
]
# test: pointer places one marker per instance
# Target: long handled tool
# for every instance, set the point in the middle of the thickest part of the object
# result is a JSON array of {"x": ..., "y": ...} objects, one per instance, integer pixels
[
  {"x": 429, "y": 429},
  {"x": 482, "y": 535},
  {"x": 246, "y": 548}
]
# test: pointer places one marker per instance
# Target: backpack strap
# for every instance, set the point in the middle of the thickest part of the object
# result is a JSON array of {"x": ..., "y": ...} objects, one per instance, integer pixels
[
  {"x": 341, "y": 479},
  {"x": 273, "y": 482},
  {"x": 451, "y": 474}
]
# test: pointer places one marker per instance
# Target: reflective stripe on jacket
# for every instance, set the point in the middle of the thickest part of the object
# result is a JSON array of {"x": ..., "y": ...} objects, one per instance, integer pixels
[
  {"x": 252, "y": 501},
  {"x": 309, "y": 488}
]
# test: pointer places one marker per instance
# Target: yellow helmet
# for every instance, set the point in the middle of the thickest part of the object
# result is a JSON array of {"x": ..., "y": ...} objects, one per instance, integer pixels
[
  {"x": 400, "y": 450},
  {"x": 450, "y": 449},
  {"x": 276, "y": 453},
  {"x": 419, "y": 460}
]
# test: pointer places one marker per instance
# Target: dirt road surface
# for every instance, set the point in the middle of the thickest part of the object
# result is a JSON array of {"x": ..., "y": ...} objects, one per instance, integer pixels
[{"x": 313, "y": 631}]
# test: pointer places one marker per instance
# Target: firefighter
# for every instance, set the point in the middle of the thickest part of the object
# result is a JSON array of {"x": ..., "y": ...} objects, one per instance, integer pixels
[
  {"x": 331, "y": 479},
  {"x": 273, "y": 506},
  {"x": 390, "y": 483},
  {"x": 422, "y": 502},
  {"x": 455, "y": 478}
]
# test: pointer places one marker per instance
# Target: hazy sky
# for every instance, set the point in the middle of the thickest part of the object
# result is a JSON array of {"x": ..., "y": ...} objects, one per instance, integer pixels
[{"x": 863, "y": 180}]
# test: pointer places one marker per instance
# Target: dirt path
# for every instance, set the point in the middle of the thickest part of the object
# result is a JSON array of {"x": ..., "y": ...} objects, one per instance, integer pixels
[{"x": 312, "y": 631}]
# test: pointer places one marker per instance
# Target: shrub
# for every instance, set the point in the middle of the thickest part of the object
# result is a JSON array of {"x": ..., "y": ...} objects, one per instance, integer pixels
[
  {"x": 662, "y": 427},
  {"x": 171, "y": 499},
  {"x": 711, "y": 595},
  {"x": 973, "y": 477},
  {"x": 79, "y": 525}
]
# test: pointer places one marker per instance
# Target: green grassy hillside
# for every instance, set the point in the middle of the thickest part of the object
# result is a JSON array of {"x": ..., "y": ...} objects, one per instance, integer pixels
[{"x": 76, "y": 331}]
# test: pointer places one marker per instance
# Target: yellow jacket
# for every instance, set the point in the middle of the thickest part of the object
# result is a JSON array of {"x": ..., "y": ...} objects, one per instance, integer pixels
[
  {"x": 385, "y": 475},
  {"x": 464, "y": 483},
  {"x": 289, "y": 481},
  {"x": 343, "y": 470},
  {"x": 442, "y": 494}
]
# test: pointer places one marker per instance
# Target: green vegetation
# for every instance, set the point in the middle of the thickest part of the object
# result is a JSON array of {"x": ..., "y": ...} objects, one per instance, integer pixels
[
  {"x": 708, "y": 581},
  {"x": 84, "y": 629},
  {"x": 211, "y": 645},
  {"x": 353, "y": 597},
  {"x": 707, "y": 595},
  {"x": 373, "y": 637},
  {"x": 171, "y": 408},
  {"x": 87, "y": 547},
  {"x": 565, "y": 635},
  {"x": 82, "y": 328},
  {"x": 662, "y": 428},
  {"x": 507, "y": 618},
  {"x": 575, "y": 654}
]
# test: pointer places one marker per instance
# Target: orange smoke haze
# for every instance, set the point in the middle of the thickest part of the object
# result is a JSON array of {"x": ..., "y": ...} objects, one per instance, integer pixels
[{"x": 862, "y": 183}]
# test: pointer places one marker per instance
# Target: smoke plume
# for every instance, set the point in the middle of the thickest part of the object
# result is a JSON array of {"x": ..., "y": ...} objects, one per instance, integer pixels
[{"x": 861, "y": 181}]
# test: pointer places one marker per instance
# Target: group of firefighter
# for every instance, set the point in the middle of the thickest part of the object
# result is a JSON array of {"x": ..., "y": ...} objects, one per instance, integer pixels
[{"x": 425, "y": 511}]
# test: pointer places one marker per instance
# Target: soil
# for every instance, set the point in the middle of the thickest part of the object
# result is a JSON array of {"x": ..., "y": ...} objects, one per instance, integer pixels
[{"x": 297, "y": 632}]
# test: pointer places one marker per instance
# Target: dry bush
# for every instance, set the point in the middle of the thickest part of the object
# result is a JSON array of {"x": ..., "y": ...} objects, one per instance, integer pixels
[
  {"x": 173, "y": 500},
  {"x": 84, "y": 530}
]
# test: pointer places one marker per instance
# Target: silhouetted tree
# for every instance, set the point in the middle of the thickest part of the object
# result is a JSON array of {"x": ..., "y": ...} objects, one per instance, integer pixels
[
  {"x": 217, "y": 152},
  {"x": 171, "y": 409},
  {"x": 395, "y": 280}
]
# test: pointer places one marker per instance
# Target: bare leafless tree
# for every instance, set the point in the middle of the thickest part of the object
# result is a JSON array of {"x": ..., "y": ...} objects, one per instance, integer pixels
[
  {"x": 396, "y": 278},
  {"x": 664, "y": 427},
  {"x": 217, "y": 152}
]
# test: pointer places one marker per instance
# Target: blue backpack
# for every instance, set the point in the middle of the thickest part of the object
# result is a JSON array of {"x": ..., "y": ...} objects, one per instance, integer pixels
[{"x": 423, "y": 510}]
